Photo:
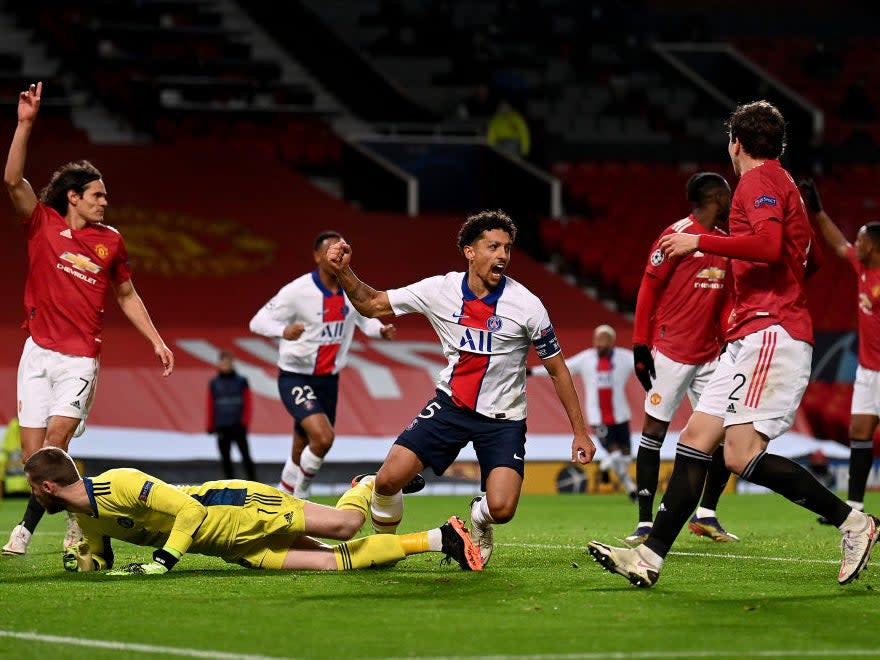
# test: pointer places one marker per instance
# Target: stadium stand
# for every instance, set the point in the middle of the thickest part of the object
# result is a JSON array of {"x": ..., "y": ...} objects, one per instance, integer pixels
[{"x": 227, "y": 104}]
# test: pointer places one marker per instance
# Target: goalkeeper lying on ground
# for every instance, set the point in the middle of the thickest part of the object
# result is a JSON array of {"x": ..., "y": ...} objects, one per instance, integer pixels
[{"x": 241, "y": 522}]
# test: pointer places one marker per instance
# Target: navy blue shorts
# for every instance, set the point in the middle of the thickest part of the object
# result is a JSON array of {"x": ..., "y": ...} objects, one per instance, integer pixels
[
  {"x": 442, "y": 430},
  {"x": 306, "y": 395},
  {"x": 614, "y": 436}
]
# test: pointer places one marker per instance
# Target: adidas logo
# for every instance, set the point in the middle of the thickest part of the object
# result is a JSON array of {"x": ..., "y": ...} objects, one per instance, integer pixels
[
  {"x": 288, "y": 517},
  {"x": 661, "y": 508},
  {"x": 66, "y": 233},
  {"x": 730, "y": 408},
  {"x": 644, "y": 492},
  {"x": 76, "y": 405}
]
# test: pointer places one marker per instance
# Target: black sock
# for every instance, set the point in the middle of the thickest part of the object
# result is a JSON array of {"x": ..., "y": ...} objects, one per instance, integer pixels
[
  {"x": 716, "y": 480},
  {"x": 795, "y": 483},
  {"x": 861, "y": 459},
  {"x": 32, "y": 514},
  {"x": 680, "y": 500},
  {"x": 647, "y": 474}
]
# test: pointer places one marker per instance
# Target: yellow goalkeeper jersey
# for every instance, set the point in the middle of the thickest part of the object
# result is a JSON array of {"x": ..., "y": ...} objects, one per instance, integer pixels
[{"x": 216, "y": 518}]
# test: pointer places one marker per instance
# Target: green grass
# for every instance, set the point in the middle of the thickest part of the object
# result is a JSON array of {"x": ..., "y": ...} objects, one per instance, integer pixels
[{"x": 541, "y": 596}]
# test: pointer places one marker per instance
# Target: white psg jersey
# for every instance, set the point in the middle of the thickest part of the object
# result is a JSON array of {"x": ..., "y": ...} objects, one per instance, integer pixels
[
  {"x": 329, "y": 321},
  {"x": 486, "y": 340}
]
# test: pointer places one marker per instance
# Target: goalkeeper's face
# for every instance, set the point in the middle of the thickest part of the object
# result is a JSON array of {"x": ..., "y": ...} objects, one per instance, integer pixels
[{"x": 47, "y": 500}]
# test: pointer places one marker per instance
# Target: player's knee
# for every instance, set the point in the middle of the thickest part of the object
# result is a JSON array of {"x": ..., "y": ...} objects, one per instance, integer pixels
[
  {"x": 735, "y": 461},
  {"x": 388, "y": 483},
  {"x": 503, "y": 511}
]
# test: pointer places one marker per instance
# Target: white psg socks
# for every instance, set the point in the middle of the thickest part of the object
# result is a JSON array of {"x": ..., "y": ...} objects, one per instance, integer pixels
[
  {"x": 386, "y": 512},
  {"x": 309, "y": 464}
]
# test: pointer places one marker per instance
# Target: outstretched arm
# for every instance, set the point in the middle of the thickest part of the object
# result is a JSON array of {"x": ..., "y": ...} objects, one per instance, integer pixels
[
  {"x": 133, "y": 307},
  {"x": 582, "y": 448},
  {"x": 830, "y": 231},
  {"x": 366, "y": 299},
  {"x": 23, "y": 198}
]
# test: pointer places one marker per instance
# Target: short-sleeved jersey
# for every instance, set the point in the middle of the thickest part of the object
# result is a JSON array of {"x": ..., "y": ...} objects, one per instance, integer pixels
[
  {"x": 685, "y": 325},
  {"x": 210, "y": 519},
  {"x": 771, "y": 293},
  {"x": 68, "y": 276},
  {"x": 329, "y": 321},
  {"x": 485, "y": 340},
  {"x": 869, "y": 311}
]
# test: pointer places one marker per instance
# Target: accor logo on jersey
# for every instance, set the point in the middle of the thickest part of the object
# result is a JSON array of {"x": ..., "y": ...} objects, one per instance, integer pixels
[
  {"x": 710, "y": 278},
  {"x": 476, "y": 341},
  {"x": 333, "y": 331}
]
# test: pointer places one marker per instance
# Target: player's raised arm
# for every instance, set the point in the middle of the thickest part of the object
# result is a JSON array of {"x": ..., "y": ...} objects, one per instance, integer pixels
[
  {"x": 582, "y": 448},
  {"x": 23, "y": 198},
  {"x": 830, "y": 231},
  {"x": 366, "y": 300}
]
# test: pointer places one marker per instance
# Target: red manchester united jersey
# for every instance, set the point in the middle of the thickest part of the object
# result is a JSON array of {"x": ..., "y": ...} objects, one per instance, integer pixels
[
  {"x": 771, "y": 293},
  {"x": 68, "y": 276},
  {"x": 686, "y": 321},
  {"x": 869, "y": 312}
]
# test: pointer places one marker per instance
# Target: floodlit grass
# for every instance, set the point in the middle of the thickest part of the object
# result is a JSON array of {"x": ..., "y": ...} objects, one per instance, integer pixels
[{"x": 775, "y": 593}]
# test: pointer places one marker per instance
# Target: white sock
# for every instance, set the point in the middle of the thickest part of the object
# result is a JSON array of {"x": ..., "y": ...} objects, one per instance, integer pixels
[
  {"x": 705, "y": 513},
  {"x": 858, "y": 506},
  {"x": 435, "y": 540},
  {"x": 288, "y": 476},
  {"x": 480, "y": 516},
  {"x": 386, "y": 512},
  {"x": 649, "y": 556},
  {"x": 621, "y": 469},
  {"x": 309, "y": 465},
  {"x": 855, "y": 521}
]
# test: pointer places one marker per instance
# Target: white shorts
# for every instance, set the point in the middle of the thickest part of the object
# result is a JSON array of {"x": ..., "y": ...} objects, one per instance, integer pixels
[
  {"x": 866, "y": 393},
  {"x": 760, "y": 379},
  {"x": 673, "y": 381},
  {"x": 52, "y": 383}
]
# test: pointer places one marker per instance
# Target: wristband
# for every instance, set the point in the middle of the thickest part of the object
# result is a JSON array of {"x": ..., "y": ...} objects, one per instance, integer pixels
[{"x": 167, "y": 557}]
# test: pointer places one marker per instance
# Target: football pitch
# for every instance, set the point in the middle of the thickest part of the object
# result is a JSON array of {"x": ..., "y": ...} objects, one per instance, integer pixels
[{"x": 773, "y": 595}]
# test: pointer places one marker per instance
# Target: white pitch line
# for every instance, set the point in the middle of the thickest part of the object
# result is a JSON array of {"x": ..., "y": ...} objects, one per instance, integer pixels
[
  {"x": 716, "y": 555},
  {"x": 609, "y": 655},
  {"x": 134, "y": 648}
]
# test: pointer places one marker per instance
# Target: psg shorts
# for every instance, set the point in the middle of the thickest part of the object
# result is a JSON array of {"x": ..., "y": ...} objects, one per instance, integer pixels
[
  {"x": 614, "y": 436},
  {"x": 866, "y": 393},
  {"x": 760, "y": 379},
  {"x": 442, "y": 429},
  {"x": 52, "y": 383},
  {"x": 304, "y": 395},
  {"x": 673, "y": 381}
]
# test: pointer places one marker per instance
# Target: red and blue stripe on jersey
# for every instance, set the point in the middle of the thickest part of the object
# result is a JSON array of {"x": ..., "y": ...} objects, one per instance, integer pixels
[
  {"x": 475, "y": 348},
  {"x": 334, "y": 312}
]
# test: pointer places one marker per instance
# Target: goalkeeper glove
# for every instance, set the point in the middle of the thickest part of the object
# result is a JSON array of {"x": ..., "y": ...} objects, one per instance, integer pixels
[
  {"x": 811, "y": 195},
  {"x": 163, "y": 561},
  {"x": 77, "y": 558},
  {"x": 643, "y": 363}
]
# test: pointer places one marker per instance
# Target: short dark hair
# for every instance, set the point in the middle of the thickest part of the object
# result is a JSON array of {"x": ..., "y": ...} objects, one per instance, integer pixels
[
  {"x": 872, "y": 229},
  {"x": 703, "y": 185},
  {"x": 73, "y": 176},
  {"x": 52, "y": 464},
  {"x": 225, "y": 354},
  {"x": 476, "y": 224},
  {"x": 760, "y": 128},
  {"x": 323, "y": 236}
]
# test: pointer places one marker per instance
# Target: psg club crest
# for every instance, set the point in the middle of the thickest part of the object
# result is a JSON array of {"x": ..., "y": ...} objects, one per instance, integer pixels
[
  {"x": 493, "y": 323},
  {"x": 345, "y": 310}
]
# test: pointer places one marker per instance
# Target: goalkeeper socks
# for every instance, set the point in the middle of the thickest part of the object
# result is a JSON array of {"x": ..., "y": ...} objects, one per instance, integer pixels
[
  {"x": 386, "y": 512},
  {"x": 861, "y": 459},
  {"x": 357, "y": 498},
  {"x": 33, "y": 514},
  {"x": 430, "y": 541},
  {"x": 288, "y": 477},
  {"x": 368, "y": 552},
  {"x": 309, "y": 464},
  {"x": 795, "y": 483},
  {"x": 682, "y": 495},
  {"x": 716, "y": 480},
  {"x": 647, "y": 474}
]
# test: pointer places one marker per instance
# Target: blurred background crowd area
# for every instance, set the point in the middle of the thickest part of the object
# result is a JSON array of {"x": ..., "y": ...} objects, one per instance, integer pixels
[{"x": 230, "y": 133}]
